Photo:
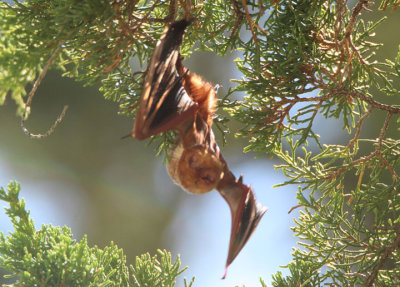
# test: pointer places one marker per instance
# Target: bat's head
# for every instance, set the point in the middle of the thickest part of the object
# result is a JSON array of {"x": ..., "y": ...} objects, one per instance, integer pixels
[{"x": 199, "y": 170}]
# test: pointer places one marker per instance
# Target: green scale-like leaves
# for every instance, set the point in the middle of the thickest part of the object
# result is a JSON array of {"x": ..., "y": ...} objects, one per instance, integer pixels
[
  {"x": 301, "y": 61},
  {"x": 51, "y": 257}
]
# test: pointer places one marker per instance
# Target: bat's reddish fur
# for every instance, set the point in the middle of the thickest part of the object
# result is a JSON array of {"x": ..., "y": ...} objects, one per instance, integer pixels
[{"x": 200, "y": 91}]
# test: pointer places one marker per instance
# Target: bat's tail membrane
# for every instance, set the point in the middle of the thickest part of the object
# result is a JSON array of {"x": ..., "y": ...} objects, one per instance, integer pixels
[{"x": 246, "y": 214}]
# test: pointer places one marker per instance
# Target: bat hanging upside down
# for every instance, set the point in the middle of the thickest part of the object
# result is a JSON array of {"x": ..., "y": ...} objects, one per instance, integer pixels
[{"x": 173, "y": 98}]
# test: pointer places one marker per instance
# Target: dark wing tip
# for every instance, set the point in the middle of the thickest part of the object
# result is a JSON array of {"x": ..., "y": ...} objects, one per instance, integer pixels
[
  {"x": 226, "y": 272},
  {"x": 126, "y": 136}
]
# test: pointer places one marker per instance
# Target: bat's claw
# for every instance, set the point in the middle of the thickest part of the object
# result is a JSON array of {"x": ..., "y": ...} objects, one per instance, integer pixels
[
  {"x": 217, "y": 87},
  {"x": 226, "y": 272}
]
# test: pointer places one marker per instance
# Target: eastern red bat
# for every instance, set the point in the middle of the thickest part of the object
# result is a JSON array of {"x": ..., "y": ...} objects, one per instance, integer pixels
[{"x": 173, "y": 98}]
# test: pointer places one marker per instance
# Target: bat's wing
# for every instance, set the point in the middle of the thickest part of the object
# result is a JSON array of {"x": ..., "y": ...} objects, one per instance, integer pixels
[
  {"x": 164, "y": 102},
  {"x": 246, "y": 213}
]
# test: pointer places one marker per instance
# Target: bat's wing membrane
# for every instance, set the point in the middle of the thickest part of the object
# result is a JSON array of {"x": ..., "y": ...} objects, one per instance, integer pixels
[{"x": 164, "y": 102}]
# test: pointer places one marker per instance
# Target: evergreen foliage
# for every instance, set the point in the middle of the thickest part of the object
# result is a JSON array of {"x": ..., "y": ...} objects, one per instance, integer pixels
[
  {"x": 51, "y": 257},
  {"x": 349, "y": 233}
]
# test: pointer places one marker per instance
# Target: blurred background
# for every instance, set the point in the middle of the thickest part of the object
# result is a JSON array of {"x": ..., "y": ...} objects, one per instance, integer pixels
[{"x": 85, "y": 177}]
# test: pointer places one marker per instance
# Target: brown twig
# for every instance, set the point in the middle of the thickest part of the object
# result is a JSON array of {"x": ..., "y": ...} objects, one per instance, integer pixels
[
  {"x": 395, "y": 226},
  {"x": 377, "y": 152},
  {"x": 140, "y": 21},
  {"x": 355, "y": 50},
  {"x": 261, "y": 8},
  {"x": 388, "y": 165},
  {"x": 354, "y": 14},
  {"x": 32, "y": 93},
  {"x": 250, "y": 20},
  {"x": 346, "y": 47},
  {"x": 329, "y": 75},
  {"x": 173, "y": 11},
  {"x": 358, "y": 127},
  {"x": 385, "y": 255},
  {"x": 347, "y": 39},
  {"x": 381, "y": 135},
  {"x": 340, "y": 12},
  {"x": 361, "y": 96},
  {"x": 239, "y": 17},
  {"x": 294, "y": 207},
  {"x": 355, "y": 274},
  {"x": 383, "y": 130},
  {"x": 187, "y": 9}
]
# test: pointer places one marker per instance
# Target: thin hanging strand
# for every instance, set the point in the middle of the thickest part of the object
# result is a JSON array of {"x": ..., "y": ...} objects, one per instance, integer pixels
[{"x": 30, "y": 97}]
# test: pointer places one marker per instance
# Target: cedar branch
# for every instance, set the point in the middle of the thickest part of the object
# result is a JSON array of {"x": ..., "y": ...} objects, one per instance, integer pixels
[{"x": 32, "y": 93}]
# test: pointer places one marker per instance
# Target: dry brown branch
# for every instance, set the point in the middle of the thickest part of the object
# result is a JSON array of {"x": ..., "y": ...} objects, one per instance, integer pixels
[
  {"x": 379, "y": 149},
  {"x": 385, "y": 163},
  {"x": 239, "y": 17},
  {"x": 145, "y": 17},
  {"x": 187, "y": 8},
  {"x": 364, "y": 159},
  {"x": 250, "y": 20},
  {"x": 385, "y": 255},
  {"x": 261, "y": 7},
  {"x": 32, "y": 93},
  {"x": 355, "y": 50},
  {"x": 383, "y": 130},
  {"x": 361, "y": 96},
  {"x": 294, "y": 207},
  {"x": 344, "y": 46},
  {"x": 173, "y": 11},
  {"x": 329, "y": 75},
  {"x": 355, "y": 274},
  {"x": 347, "y": 39},
  {"x": 395, "y": 226},
  {"x": 354, "y": 14},
  {"x": 358, "y": 127}
]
